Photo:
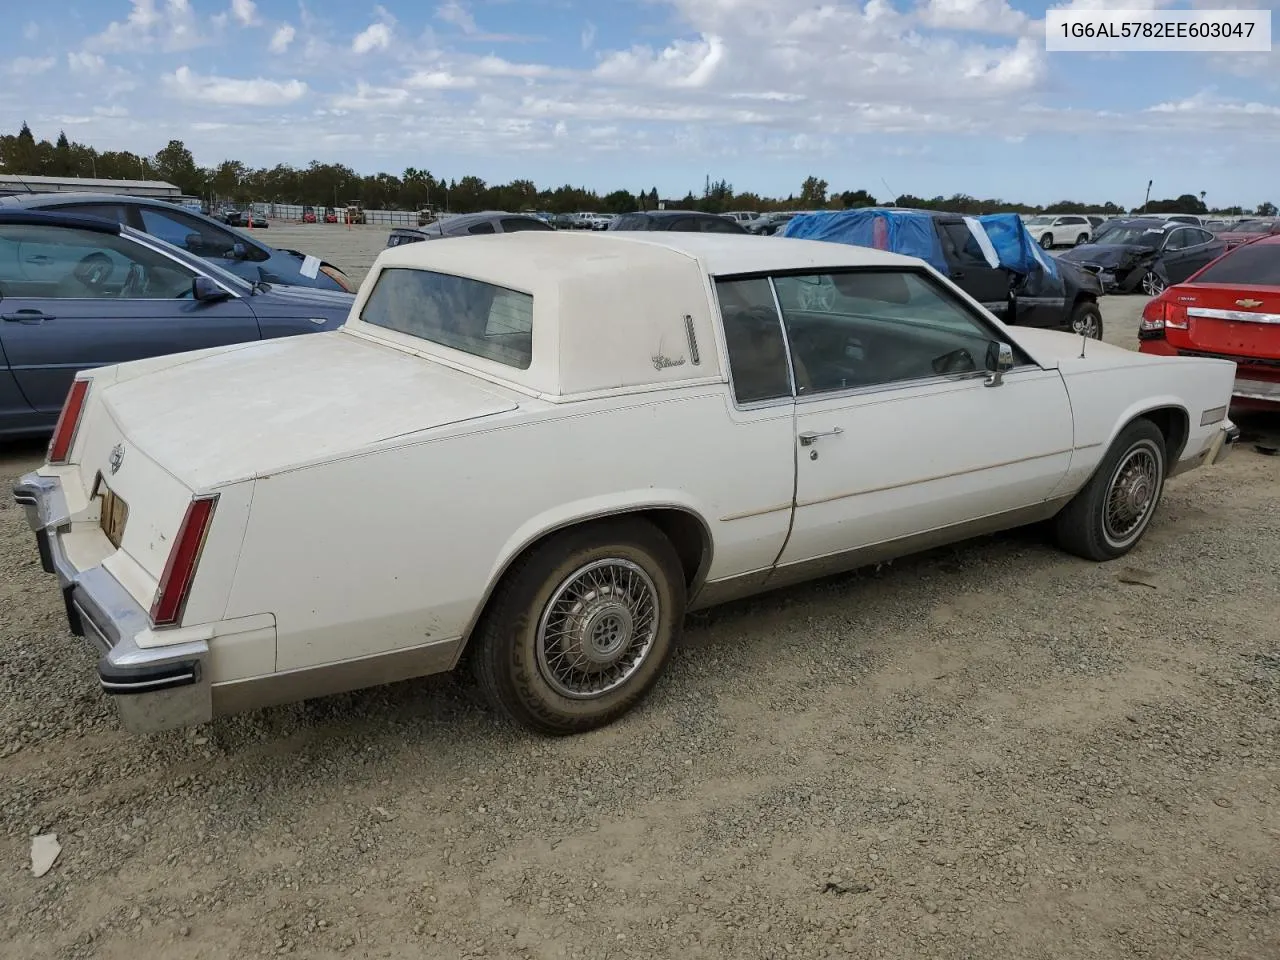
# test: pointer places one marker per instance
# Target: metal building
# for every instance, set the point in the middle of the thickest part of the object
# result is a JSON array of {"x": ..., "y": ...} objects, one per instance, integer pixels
[{"x": 12, "y": 183}]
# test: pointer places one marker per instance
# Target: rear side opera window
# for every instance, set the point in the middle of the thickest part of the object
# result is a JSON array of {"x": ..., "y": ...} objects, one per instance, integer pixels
[
  {"x": 482, "y": 319},
  {"x": 1255, "y": 264}
]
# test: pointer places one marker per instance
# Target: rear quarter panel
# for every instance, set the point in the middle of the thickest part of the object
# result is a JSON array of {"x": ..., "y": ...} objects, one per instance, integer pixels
[{"x": 398, "y": 547}]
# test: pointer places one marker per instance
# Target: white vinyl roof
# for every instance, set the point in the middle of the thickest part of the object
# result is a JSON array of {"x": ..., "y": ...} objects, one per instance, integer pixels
[{"x": 610, "y": 309}]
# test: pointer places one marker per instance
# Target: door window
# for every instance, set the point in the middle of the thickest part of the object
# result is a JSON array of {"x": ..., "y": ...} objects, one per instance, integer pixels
[
  {"x": 962, "y": 247},
  {"x": 195, "y": 236},
  {"x": 870, "y": 328},
  {"x": 753, "y": 334},
  {"x": 1177, "y": 240},
  {"x": 107, "y": 211},
  {"x": 484, "y": 227},
  {"x": 64, "y": 263},
  {"x": 719, "y": 225},
  {"x": 516, "y": 224}
]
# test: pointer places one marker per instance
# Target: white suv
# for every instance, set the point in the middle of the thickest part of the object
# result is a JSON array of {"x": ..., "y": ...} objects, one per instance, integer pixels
[{"x": 1060, "y": 231}]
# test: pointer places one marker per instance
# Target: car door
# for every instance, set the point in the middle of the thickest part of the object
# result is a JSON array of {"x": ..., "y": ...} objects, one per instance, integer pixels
[
  {"x": 898, "y": 434},
  {"x": 969, "y": 267},
  {"x": 1177, "y": 255},
  {"x": 101, "y": 298},
  {"x": 1202, "y": 249}
]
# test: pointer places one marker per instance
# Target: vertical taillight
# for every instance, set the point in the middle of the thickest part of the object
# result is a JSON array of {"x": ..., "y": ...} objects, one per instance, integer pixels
[
  {"x": 64, "y": 434},
  {"x": 180, "y": 568}
]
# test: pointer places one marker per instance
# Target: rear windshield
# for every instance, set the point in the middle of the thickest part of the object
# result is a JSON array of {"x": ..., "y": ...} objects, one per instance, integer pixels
[
  {"x": 1253, "y": 264},
  {"x": 478, "y": 318}
]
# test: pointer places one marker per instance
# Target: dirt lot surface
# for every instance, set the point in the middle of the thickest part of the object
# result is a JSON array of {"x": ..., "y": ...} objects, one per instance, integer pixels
[{"x": 993, "y": 751}]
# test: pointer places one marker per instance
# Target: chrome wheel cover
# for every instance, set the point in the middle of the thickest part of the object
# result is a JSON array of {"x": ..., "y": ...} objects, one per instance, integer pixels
[
  {"x": 1088, "y": 327},
  {"x": 597, "y": 629},
  {"x": 1152, "y": 285},
  {"x": 1131, "y": 495}
]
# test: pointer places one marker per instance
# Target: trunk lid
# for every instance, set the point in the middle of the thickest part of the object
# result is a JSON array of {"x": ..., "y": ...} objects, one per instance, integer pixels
[
  {"x": 1232, "y": 320},
  {"x": 237, "y": 414}
]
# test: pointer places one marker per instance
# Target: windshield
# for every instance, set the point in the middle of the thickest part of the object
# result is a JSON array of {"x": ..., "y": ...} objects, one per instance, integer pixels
[
  {"x": 1141, "y": 235},
  {"x": 200, "y": 265},
  {"x": 1251, "y": 264},
  {"x": 478, "y": 318},
  {"x": 1040, "y": 221}
]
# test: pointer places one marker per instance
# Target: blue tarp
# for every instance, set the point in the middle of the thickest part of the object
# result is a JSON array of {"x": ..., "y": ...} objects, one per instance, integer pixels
[
  {"x": 899, "y": 231},
  {"x": 911, "y": 232},
  {"x": 1015, "y": 247}
]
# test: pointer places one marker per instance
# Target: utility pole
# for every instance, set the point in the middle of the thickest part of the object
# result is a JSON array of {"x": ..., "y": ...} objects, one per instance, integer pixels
[{"x": 1147, "y": 199}]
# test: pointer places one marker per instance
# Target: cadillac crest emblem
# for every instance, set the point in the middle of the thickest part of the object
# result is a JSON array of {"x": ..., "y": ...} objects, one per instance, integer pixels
[{"x": 117, "y": 458}]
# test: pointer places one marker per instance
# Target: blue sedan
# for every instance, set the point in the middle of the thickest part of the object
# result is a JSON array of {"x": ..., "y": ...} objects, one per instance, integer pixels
[
  {"x": 81, "y": 292},
  {"x": 225, "y": 246}
]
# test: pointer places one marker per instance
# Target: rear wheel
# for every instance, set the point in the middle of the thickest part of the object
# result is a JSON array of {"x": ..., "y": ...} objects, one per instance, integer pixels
[
  {"x": 581, "y": 627},
  {"x": 1083, "y": 238},
  {"x": 1109, "y": 515},
  {"x": 1046, "y": 241}
]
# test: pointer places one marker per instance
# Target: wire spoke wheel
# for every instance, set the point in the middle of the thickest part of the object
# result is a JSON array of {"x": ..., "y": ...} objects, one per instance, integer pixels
[
  {"x": 1131, "y": 495},
  {"x": 597, "y": 628}
]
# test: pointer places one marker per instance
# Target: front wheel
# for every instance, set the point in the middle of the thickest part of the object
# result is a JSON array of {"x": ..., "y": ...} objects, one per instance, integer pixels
[
  {"x": 581, "y": 627},
  {"x": 1109, "y": 515},
  {"x": 1086, "y": 320},
  {"x": 1083, "y": 238},
  {"x": 1153, "y": 284},
  {"x": 1046, "y": 241}
]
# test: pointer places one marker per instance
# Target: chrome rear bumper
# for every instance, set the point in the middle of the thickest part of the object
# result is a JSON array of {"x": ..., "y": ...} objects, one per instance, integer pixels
[{"x": 155, "y": 688}]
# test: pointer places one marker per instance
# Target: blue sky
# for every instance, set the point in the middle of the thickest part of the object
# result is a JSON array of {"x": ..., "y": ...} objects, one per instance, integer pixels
[{"x": 894, "y": 96}]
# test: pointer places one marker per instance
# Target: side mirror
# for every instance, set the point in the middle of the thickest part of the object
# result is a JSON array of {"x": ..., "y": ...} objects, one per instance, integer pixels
[
  {"x": 999, "y": 362},
  {"x": 205, "y": 290}
]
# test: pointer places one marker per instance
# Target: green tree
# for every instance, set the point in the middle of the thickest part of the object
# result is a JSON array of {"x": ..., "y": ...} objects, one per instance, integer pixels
[
  {"x": 813, "y": 192},
  {"x": 175, "y": 164},
  {"x": 1267, "y": 209}
]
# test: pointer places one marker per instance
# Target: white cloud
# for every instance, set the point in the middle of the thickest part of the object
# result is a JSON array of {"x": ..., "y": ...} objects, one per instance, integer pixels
[
  {"x": 588, "y": 36},
  {"x": 245, "y": 12},
  {"x": 685, "y": 63},
  {"x": 439, "y": 80},
  {"x": 79, "y": 61},
  {"x": 978, "y": 16},
  {"x": 491, "y": 66},
  {"x": 29, "y": 66},
  {"x": 281, "y": 39},
  {"x": 259, "y": 92},
  {"x": 455, "y": 13},
  {"x": 171, "y": 27},
  {"x": 369, "y": 97},
  {"x": 376, "y": 36}
]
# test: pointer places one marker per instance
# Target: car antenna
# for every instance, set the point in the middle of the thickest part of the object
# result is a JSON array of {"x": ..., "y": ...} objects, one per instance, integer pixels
[{"x": 1084, "y": 340}]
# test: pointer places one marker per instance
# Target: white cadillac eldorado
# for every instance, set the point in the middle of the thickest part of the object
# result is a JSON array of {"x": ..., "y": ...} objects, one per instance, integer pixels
[{"x": 536, "y": 451}]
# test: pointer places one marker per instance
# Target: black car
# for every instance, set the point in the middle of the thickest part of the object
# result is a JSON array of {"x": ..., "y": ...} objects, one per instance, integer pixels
[
  {"x": 685, "y": 221},
  {"x": 1034, "y": 300},
  {"x": 768, "y": 224},
  {"x": 78, "y": 292},
  {"x": 1146, "y": 254},
  {"x": 468, "y": 224}
]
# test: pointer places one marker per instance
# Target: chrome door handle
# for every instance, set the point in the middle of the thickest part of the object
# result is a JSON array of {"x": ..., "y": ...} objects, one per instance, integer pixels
[{"x": 810, "y": 437}]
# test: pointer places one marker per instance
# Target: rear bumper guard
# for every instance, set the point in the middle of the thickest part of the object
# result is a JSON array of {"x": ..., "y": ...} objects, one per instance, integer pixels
[{"x": 155, "y": 688}]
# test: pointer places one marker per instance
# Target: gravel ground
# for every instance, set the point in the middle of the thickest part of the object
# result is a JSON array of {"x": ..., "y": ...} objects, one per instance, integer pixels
[{"x": 988, "y": 751}]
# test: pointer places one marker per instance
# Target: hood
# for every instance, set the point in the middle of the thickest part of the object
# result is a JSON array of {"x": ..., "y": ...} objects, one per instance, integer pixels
[
  {"x": 1107, "y": 252},
  {"x": 250, "y": 410},
  {"x": 1049, "y": 348}
]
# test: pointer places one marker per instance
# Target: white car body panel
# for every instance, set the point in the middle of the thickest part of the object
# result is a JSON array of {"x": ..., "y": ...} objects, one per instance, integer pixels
[{"x": 374, "y": 486}]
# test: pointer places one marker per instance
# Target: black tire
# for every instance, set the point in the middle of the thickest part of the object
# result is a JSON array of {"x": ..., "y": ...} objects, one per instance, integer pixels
[
  {"x": 1083, "y": 238},
  {"x": 506, "y": 659},
  {"x": 1082, "y": 527},
  {"x": 1046, "y": 241},
  {"x": 1087, "y": 317}
]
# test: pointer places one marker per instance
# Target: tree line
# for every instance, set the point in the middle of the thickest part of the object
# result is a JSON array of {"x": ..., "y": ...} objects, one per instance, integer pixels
[{"x": 338, "y": 185}]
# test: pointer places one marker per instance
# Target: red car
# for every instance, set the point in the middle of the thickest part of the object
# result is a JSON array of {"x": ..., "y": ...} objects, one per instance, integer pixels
[
  {"x": 1229, "y": 309},
  {"x": 330, "y": 217},
  {"x": 1248, "y": 230},
  {"x": 309, "y": 217}
]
